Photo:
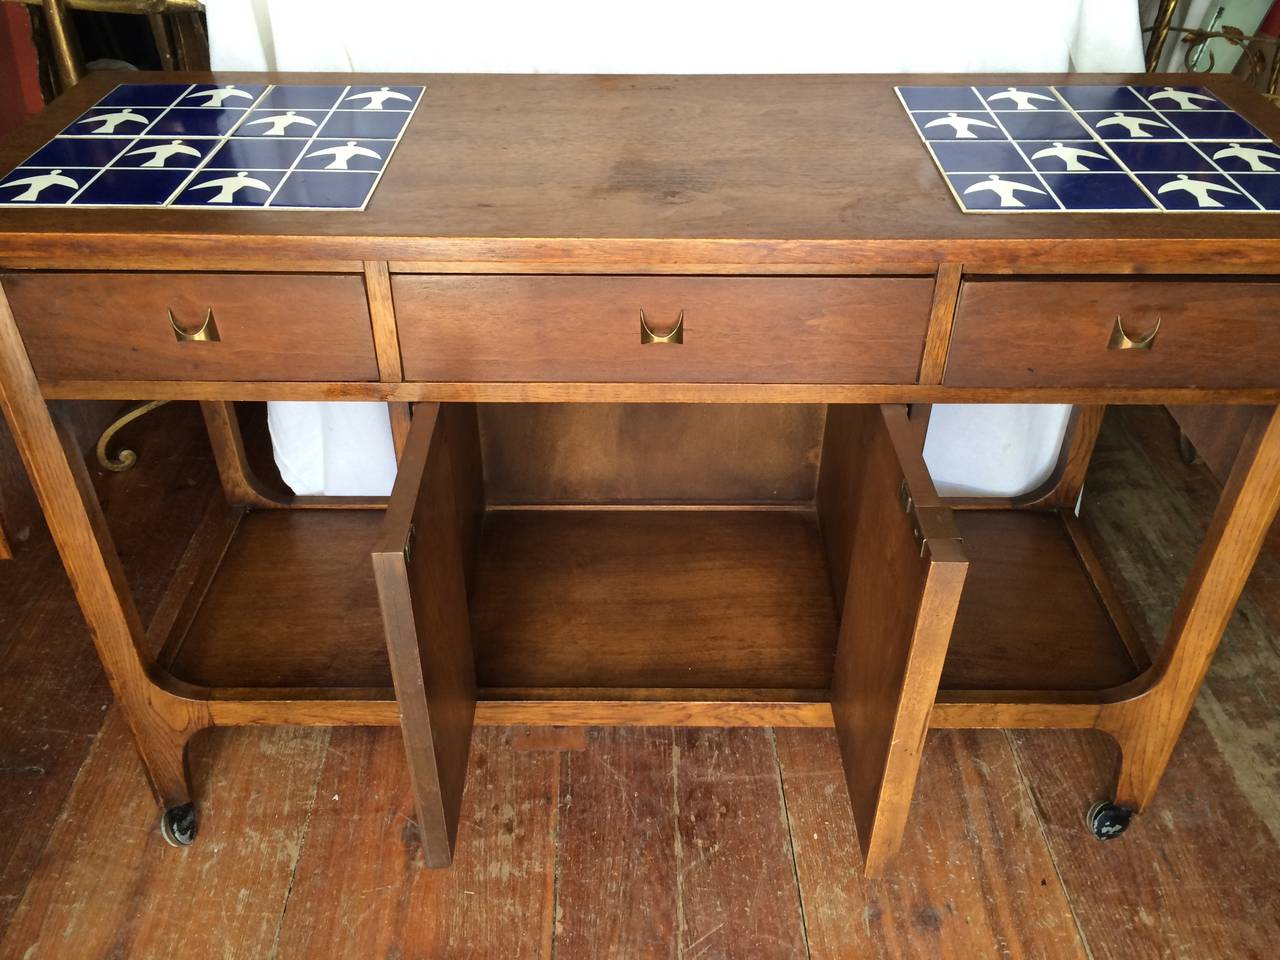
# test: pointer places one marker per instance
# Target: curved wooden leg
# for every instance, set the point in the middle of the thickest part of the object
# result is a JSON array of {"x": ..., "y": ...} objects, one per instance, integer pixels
[
  {"x": 1148, "y": 725},
  {"x": 160, "y": 723}
]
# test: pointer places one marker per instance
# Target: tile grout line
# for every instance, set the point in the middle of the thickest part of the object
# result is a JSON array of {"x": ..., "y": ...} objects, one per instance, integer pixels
[
  {"x": 1102, "y": 142},
  {"x": 1193, "y": 145},
  {"x": 222, "y": 141},
  {"x": 266, "y": 204},
  {"x": 1062, "y": 208},
  {"x": 142, "y": 133}
]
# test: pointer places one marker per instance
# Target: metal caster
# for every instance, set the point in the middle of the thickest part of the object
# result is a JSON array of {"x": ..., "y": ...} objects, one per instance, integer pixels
[
  {"x": 1187, "y": 450},
  {"x": 1107, "y": 820},
  {"x": 178, "y": 825}
]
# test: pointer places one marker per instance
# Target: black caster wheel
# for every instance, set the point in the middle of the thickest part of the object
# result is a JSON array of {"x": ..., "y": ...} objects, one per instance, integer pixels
[
  {"x": 1107, "y": 820},
  {"x": 178, "y": 825}
]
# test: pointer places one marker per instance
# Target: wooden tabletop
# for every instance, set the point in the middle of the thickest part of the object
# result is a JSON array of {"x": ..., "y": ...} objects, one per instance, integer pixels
[{"x": 643, "y": 173}]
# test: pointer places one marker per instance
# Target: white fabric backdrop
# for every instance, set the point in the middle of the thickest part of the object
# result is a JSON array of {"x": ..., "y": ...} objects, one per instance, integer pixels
[{"x": 346, "y": 448}]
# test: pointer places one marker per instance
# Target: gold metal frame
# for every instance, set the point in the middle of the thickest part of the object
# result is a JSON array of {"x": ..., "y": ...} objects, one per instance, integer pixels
[{"x": 125, "y": 458}]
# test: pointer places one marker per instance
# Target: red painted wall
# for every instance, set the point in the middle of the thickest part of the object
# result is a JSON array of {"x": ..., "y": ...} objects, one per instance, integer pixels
[{"x": 19, "y": 79}]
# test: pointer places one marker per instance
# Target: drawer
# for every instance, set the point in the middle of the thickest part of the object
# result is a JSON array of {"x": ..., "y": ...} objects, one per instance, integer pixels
[
  {"x": 1072, "y": 333},
  {"x": 116, "y": 326},
  {"x": 735, "y": 329}
]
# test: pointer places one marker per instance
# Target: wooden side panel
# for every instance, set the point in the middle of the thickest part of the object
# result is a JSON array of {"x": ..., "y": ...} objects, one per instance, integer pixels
[
  {"x": 899, "y": 609},
  {"x": 605, "y": 452},
  {"x": 421, "y": 575}
]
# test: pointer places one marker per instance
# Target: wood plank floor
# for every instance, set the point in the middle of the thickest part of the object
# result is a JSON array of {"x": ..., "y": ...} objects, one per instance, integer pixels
[{"x": 633, "y": 843}]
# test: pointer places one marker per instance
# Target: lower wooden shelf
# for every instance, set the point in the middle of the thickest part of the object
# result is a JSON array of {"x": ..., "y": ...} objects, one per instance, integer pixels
[{"x": 658, "y": 604}]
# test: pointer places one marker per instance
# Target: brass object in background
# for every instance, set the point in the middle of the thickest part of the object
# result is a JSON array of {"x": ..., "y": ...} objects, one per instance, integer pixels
[
  {"x": 676, "y": 334},
  {"x": 1122, "y": 341},
  {"x": 125, "y": 458},
  {"x": 1159, "y": 33},
  {"x": 208, "y": 332}
]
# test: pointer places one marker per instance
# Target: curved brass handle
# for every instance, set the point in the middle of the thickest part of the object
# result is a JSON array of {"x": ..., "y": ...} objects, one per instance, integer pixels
[
  {"x": 1122, "y": 341},
  {"x": 675, "y": 336},
  {"x": 208, "y": 332}
]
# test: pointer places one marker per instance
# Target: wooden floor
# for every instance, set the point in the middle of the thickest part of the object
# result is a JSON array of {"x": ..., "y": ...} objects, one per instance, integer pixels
[{"x": 633, "y": 843}]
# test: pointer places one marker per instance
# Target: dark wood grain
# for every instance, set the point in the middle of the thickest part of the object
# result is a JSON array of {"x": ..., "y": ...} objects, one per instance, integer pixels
[
  {"x": 1029, "y": 333},
  {"x": 710, "y": 170},
  {"x": 652, "y": 598},
  {"x": 761, "y": 329},
  {"x": 116, "y": 326},
  {"x": 604, "y": 452}
]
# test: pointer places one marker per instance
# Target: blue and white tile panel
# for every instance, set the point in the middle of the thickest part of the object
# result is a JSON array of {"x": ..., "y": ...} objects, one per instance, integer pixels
[
  {"x": 220, "y": 147},
  {"x": 1095, "y": 148}
]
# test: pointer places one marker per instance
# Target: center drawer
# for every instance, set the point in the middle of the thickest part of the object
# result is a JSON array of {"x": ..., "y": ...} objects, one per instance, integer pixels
[
  {"x": 193, "y": 326},
  {"x": 699, "y": 329}
]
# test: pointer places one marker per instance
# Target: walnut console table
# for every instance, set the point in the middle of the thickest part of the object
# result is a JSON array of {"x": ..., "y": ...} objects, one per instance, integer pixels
[{"x": 658, "y": 351}]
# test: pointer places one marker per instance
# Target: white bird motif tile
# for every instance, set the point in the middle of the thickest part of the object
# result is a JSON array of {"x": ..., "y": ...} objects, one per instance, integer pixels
[
  {"x": 1095, "y": 148},
  {"x": 220, "y": 146}
]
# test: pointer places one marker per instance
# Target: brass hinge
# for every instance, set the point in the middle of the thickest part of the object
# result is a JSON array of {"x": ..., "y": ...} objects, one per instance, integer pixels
[
  {"x": 928, "y": 523},
  {"x": 409, "y": 536}
]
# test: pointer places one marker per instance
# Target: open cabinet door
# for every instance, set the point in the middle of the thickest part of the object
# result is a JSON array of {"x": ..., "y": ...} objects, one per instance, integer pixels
[
  {"x": 420, "y": 564},
  {"x": 905, "y": 574}
]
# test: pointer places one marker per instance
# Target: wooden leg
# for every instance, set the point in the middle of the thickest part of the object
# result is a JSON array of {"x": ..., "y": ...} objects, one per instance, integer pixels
[
  {"x": 238, "y": 481},
  {"x": 401, "y": 420},
  {"x": 1148, "y": 725},
  {"x": 161, "y": 723},
  {"x": 1064, "y": 486}
]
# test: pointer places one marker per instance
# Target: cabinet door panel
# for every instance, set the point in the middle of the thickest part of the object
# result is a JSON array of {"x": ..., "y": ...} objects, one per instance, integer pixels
[
  {"x": 420, "y": 564},
  {"x": 906, "y": 571}
]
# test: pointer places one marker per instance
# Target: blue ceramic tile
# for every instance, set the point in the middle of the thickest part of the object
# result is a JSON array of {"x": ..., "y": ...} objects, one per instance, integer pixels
[
  {"x": 1098, "y": 191},
  {"x": 1245, "y": 157},
  {"x": 352, "y": 155},
  {"x": 954, "y": 125},
  {"x": 230, "y": 95},
  {"x": 1177, "y": 156},
  {"x": 281, "y": 123},
  {"x": 1181, "y": 98},
  {"x": 380, "y": 98},
  {"x": 302, "y": 97},
  {"x": 1044, "y": 125},
  {"x": 1103, "y": 97},
  {"x": 940, "y": 98},
  {"x": 164, "y": 152},
  {"x": 196, "y": 122},
  {"x": 1023, "y": 99},
  {"x": 1198, "y": 191},
  {"x": 1059, "y": 156},
  {"x": 227, "y": 188},
  {"x": 1216, "y": 125},
  {"x": 144, "y": 95},
  {"x": 324, "y": 188},
  {"x": 1129, "y": 125},
  {"x": 254, "y": 153},
  {"x": 78, "y": 152},
  {"x": 364, "y": 125},
  {"x": 42, "y": 185},
  {"x": 1001, "y": 192},
  {"x": 112, "y": 122},
  {"x": 131, "y": 188},
  {"x": 1265, "y": 188}
]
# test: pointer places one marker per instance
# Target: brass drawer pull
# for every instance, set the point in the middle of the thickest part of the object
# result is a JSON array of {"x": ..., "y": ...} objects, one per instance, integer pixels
[
  {"x": 208, "y": 332},
  {"x": 676, "y": 335},
  {"x": 1122, "y": 341}
]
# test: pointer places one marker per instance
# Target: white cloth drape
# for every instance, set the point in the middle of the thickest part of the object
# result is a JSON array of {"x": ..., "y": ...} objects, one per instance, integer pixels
[{"x": 346, "y": 448}]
